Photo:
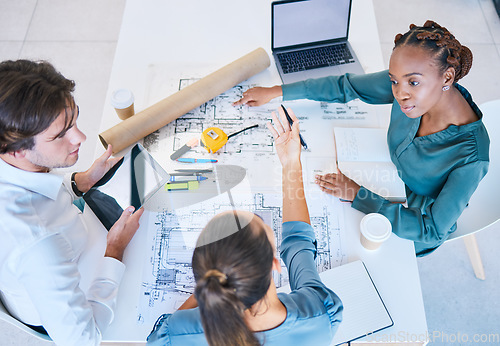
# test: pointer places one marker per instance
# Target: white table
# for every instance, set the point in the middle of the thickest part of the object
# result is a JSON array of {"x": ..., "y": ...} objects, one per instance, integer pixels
[{"x": 215, "y": 33}]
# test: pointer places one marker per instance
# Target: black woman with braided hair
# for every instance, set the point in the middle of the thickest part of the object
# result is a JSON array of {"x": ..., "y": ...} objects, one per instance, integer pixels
[{"x": 436, "y": 136}]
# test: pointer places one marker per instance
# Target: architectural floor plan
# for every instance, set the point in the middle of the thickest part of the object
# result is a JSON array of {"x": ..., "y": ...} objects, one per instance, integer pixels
[
  {"x": 167, "y": 274},
  {"x": 255, "y": 146}
]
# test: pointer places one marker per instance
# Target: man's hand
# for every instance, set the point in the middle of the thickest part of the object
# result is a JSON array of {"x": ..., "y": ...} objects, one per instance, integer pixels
[
  {"x": 122, "y": 232},
  {"x": 85, "y": 180}
]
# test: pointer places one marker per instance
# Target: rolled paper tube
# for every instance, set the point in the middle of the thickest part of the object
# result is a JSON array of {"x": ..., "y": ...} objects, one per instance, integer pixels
[{"x": 170, "y": 108}]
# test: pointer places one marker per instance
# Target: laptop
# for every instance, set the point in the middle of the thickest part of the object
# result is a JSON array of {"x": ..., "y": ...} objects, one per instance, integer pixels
[{"x": 309, "y": 39}]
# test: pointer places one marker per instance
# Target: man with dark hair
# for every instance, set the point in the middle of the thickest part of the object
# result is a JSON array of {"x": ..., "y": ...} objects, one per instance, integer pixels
[{"x": 43, "y": 237}]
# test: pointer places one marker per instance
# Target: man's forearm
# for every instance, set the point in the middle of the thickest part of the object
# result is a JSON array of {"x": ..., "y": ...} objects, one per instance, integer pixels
[{"x": 82, "y": 183}]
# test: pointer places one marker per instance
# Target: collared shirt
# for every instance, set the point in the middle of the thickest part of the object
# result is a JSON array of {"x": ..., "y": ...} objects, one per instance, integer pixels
[
  {"x": 441, "y": 170},
  {"x": 313, "y": 312},
  {"x": 44, "y": 247}
]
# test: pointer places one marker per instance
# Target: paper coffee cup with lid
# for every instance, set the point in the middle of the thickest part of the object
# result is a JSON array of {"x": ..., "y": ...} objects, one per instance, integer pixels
[
  {"x": 123, "y": 102},
  {"x": 375, "y": 229}
]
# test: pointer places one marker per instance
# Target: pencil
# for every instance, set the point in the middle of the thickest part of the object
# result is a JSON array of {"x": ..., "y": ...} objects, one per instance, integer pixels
[{"x": 290, "y": 121}]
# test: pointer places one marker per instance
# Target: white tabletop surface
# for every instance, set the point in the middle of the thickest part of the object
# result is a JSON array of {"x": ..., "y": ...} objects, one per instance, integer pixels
[{"x": 214, "y": 33}]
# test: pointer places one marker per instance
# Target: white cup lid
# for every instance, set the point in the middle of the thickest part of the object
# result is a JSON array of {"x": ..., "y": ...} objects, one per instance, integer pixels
[
  {"x": 122, "y": 98},
  {"x": 376, "y": 227}
]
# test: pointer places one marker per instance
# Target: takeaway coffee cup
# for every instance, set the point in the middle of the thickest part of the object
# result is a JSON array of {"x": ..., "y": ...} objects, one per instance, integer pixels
[
  {"x": 123, "y": 102},
  {"x": 375, "y": 229}
]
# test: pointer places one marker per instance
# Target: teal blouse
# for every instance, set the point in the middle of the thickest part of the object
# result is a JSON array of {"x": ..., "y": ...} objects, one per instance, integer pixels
[
  {"x": 440, "y": 170},
  {"x": 313, "y": 312}
]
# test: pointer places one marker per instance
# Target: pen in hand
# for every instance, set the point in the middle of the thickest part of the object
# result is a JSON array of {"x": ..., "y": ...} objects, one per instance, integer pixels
[{"x": 290, "y": 121}]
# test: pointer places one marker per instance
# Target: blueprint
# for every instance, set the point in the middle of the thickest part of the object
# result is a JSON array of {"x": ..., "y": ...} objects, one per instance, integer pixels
[
  {"x": 255, "y": 146},
  {"x": 167, "y": 274},
  {"x": 172, "y": 233}
]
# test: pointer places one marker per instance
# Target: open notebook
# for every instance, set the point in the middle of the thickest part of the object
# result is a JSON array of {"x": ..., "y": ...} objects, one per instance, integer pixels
[
  {"x": 364, "y": 311},
  {"x": 363, "y": 156}
]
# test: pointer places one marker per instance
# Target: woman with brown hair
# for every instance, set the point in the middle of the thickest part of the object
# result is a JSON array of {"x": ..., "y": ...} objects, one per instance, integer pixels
[
  {"x": 436, "y": 137},
  {"x": 233, "y": 263}
]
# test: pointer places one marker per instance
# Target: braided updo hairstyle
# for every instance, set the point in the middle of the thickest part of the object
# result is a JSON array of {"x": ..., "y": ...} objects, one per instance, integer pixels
[{"x": 443, "y": 46}]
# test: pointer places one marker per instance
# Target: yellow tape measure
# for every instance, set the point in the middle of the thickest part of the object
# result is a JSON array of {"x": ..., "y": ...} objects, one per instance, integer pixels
[{"x": 214, "y": 138}]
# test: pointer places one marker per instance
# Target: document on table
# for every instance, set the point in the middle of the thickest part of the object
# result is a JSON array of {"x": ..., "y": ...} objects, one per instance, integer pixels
[
  {"x": 363, "y": 156},
  {"x": 364, "y": 311},
  {"x": 168, "y": 279}
]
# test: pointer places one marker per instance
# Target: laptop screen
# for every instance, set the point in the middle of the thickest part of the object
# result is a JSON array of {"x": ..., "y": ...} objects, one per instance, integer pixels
[{"x": 308, "y": 21}]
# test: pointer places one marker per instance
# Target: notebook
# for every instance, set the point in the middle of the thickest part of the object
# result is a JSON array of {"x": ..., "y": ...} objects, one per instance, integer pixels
[
  {"x": 363, "y": 156},
  {"x": 309, "y": 39},
  {"x": 364, "y": 311}
]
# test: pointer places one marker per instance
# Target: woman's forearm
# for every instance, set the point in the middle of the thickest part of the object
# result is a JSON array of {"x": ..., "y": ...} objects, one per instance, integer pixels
[{"x": 294, "y": 201}]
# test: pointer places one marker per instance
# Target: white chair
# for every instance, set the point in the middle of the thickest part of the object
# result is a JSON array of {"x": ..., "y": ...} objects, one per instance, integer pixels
[
  {"x": 7, "y": 317},
  {"x": 483, "y": 210}
]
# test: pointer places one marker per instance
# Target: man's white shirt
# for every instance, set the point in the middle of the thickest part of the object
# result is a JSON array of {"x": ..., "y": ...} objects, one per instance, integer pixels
[{"x": 52, "y": 268}]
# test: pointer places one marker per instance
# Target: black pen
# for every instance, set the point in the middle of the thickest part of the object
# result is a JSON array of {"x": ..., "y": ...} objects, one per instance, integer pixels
[{"x": 290, "y": 121}]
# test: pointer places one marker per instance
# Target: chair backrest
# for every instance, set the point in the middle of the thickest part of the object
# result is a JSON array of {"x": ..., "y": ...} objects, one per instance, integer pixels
[
  {"x": 7, "y": 317},
  {"x": 483, "y": 209}
]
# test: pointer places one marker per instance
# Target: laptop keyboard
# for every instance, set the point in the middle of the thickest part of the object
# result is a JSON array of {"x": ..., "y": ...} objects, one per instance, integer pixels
[{"x": 312, "y": 58}]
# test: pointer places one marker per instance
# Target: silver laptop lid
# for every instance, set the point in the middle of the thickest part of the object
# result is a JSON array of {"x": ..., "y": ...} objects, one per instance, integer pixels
[{"x": 304, "y": 22}]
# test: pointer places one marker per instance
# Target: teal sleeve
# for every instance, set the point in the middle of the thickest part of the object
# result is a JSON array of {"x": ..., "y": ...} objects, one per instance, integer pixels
[
  {"x": 160, "y": 335},
  {"x": 299, "y": 241},
  {"x": 427, "y": 220},
  {"x": 298, "y": 252},
  {"x": 373, "y": 88}
]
